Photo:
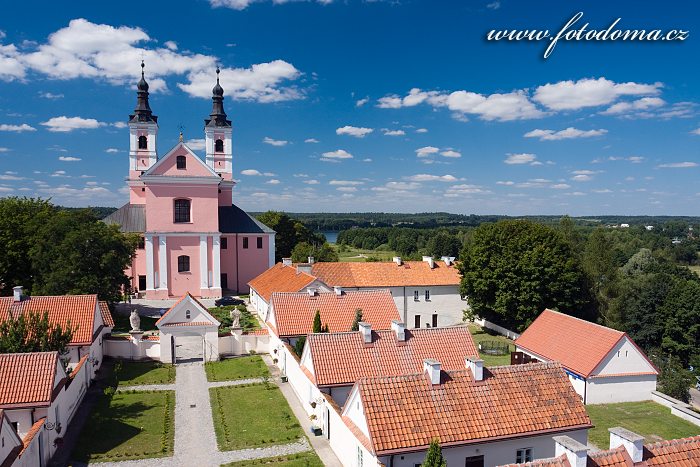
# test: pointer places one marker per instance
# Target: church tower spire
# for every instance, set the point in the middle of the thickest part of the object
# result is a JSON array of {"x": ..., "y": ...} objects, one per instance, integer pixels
[
  {"x": 143, "y": 130},
  {"x": 218, "y": 133},
  {"x": 142, "y": 112}
]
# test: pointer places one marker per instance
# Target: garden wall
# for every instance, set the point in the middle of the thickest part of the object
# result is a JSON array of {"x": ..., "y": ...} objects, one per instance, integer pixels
[
  {"x": 124, "y": 347},
  {"x": 678, "y": 408},
  {"x": 244, "y": 343},
  {"x": 495, "y": 327}
]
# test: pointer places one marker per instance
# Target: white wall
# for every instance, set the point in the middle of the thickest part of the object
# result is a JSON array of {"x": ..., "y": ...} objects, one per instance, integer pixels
[
  {"x": 620, "y": 389},
  {"x": 624, "y": 358},
  {"x": 31, "y": 455},
  {"x": 130, "y": 350},
  {"x": 344, "y": 443},
  {"x": 9, "y": 438},
  {"x": 241, "y": 344}
]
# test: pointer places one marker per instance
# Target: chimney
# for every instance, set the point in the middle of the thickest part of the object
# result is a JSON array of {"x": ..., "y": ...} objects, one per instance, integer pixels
[
  {"x": 338, "y": 290},
  {"x": 430, "y": 261},
  {"x": 304, "y": 267},
  {"x": 448, "y": 260},
  {"x": 311, "y": 259},
  {"x": 286, "y": 261},
  {"x": 576, "y": 453},
  {"x": 312, "y": 291},
  {"x": 17, "y": 290},
  {"x": 633, "y": 443},
  {"x": 366, "y": 331},
  {"x": 399, "y": 329},
  {"x": 432, "y": 368},
  {"x": 476, "y": 365},
  {"x": 397, "y": 260}
]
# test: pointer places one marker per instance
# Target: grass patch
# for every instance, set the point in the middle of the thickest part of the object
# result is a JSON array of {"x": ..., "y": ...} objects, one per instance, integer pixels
[
  {"x": 122, "y": 324},
  {"x": 302, "y": 459},
  {"x": 479, "y": 335},
  {"x": 142, "y": 373},
  {"x": 252, "y": 415},
  {"x": 131, "y": 425},
  {"x": 647, "y": 418},
  {"x": 347, "y": 253},
  {"x": 236, "y": 368},
  {"x": 222, "y": 314}
]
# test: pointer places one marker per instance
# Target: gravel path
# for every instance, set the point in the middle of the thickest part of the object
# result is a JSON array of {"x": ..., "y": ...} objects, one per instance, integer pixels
[{"x": 148, "y": 387}]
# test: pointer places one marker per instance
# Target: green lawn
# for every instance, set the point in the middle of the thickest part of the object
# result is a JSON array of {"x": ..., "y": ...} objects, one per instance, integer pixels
[
  {"x": 348, "y": 253},
  {"x": 236, "y": 368},
  {"x": 252, "y": 415},
  {"x": 648, "y": 419},
  {"x": 480, "y": 335},
  {"x": 140, "y": 373},
  {"x": 248, "y": 322},
  {"x": 122, "y": 325},
  {"x": 302, "y": 459},
  {"x": 132, "y": 425}
]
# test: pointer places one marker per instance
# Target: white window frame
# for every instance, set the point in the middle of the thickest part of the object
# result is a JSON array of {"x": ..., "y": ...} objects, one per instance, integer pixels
[{"x": 524, "y": 455}]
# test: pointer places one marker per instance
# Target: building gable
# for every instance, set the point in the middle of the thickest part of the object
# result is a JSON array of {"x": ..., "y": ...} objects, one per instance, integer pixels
[
  {"x": 625, "y": 358},
  {"x": 167, "y": 165},
  {"x": 178, "y": 314}
]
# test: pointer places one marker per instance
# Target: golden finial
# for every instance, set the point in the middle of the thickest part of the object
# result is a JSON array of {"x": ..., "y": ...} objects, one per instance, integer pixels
[{"x": 181, "y": 138}]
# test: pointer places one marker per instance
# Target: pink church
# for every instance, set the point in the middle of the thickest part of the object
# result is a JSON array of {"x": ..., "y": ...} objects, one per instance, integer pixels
[{"x": 193, "y": 238}]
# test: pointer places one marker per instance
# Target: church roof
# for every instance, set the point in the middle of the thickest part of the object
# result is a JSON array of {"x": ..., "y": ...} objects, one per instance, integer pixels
[{"x": 232, "y": 219}]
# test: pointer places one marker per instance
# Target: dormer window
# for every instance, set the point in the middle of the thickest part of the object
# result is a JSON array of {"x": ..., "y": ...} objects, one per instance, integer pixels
[
  {"x": 182, "y": 210},
  {"x": 219, "y": 145},
  {"x": 181, "y": 162},
  {"x": 143, "y": 142}
]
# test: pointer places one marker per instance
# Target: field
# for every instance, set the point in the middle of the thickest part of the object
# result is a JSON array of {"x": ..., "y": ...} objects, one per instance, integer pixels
[
  {"x": 303, "y": 459},
  {"x": 351, "y": 254}
]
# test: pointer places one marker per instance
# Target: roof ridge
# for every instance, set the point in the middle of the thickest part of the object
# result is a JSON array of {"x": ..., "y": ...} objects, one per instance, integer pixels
[{"x": 584, "y": 321}]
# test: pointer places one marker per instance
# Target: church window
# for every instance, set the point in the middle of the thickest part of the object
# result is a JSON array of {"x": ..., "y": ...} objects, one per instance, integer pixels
[
  {"x": 182, "y": 210},
  {"x": 219, "y": 145},
  {"x": 245, "y": 242},
  {"x": 183, "y": 263},
  {"x": 181, "y": 162},
  {"x": 143, "y": 142}
]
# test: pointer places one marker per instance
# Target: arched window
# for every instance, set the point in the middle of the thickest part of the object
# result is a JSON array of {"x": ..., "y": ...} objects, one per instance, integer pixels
[
  {"x": 182, "y": 210},
  {"x": 143, "y": 142},
  {"x": 181, "y": 162},
  {"x": 183, "y": 263},
  {"x": 219, "y": 145}
]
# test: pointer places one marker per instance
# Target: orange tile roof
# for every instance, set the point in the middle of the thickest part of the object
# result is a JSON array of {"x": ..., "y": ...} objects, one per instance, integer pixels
[
  {"x": 12, "y": 454},
  {"x": 31, "y": 434},
  {"x": 560, "y": 461},
  {"x": 343, "y": 358},
  {"x": 618, "y": 457},
  {"x": 78, "y": 309},
  {"x": 106, "y": 315},
  {"x": 77, "y": 368},
  {"x": 684, "y": 452},
  {"x": 579, "y": 345},
  {"x": 405, "y": 413},
  {"x": 280, "y": 278},
  {"x": 386, "y": 274},
  {"x": 294, "y": 312},
  {"x": 27, "y": 379}
]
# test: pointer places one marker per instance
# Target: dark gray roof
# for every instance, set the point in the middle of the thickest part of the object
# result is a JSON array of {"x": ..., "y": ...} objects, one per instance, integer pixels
[
  {"x": 131, "y": 218},
  {"x": 232, "y": 219}
]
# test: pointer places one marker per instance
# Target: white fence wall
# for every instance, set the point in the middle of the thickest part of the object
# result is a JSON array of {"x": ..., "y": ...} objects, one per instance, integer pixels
[
  {"x": 678, "y": 408},
  {"x": 241, "y": 344},
  {"x": 495, "y": 327},
  {"x": 126, "y": 348}
]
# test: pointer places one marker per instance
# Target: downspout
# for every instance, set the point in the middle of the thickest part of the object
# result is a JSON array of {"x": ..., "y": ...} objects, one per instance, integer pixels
[{"x": 391, "y": 459}]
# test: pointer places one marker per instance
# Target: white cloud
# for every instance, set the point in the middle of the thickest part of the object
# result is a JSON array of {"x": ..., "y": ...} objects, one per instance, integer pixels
[
  {"x": 243, "y": 4},
  {"x": 59, "y": 173},
  {"x": 367, "y": 159},
  {"x": 582, "y": 178},
  {"x": 397, "y": 186},
  {"x": 3, "y": 149},
  {"x": 584, "y": 172},
  {"x": 111, "y": 150},
  {"x": 635, "y": 159},
  {"x": 678, "y": 165},
  {"x": 51, "y": 96},
  {"x": 568, "y": 133},
  {"x": 347, "y": 189},
  {"x": 336, "y": 155},
  {"x": 695, "y": 132},
  {"x": 361, "y": 102},
  {"x": 16, "y": 128},
  {"x": 505, "y": 182},
  {"x": 458, "y": 190},
  {"x": 251, "y": 172},
  {"x": 561, "y": 186},
  {"x": 311, "y": 140},
  {"x": 312, "y": 182},
  {"x": 273, "y": 181},
  {"x": 645, "y": 103},
  {"x": 120, "y": 125},
  {"x": 589, "y": 92},
  {"x": 451, "y": 153},
  {"x": 432, "y": 178},
  {"x": 172, "y": 45},
  {"x": 274, "y": 142},
  {"x": 495, "y": 5},
  {"x": 196, "y": 144},
  {"x": 426, "y": 151},
  {"x": 388, "y": 132},
  {"x": 421, "y": 130},
  {"x": 10, "y": 176},
  {"x": 64, "y": 124},
  {"x": 69, "y": 159},
  {"x": 517, "y": 159},
  {"x": 346, "y": 182},
  {"x": 357, "y": 132}
]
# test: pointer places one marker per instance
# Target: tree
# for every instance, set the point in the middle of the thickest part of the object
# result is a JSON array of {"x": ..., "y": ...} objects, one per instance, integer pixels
[
  {"x": 513, "y": 269},
  {"x": 434, "y": 456},
  {"x": 443, "y": 244},
  {"x": 356, "y": 321},
  {"x": 303, "y": 250},
  {"x": 289, "y": 233},
  {"x": 601, "y": 269},
  {"x": 32, "y": 332},
  {"x": 299, "y": 346},
  {"x": 317, "y": 326},
  {"x": 674, "y": 379}
]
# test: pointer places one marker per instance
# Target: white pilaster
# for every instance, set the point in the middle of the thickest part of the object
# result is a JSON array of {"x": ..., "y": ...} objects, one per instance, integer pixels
[
  {"x": 149, "y": 262},
  {"x": 203, "y": 266},
  {"x": 162, "y": 262},
  {"x": 216, "y": 259}
]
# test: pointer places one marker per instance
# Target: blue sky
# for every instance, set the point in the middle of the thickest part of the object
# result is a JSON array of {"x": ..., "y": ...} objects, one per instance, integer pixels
[{"x": 362, "y": 105}]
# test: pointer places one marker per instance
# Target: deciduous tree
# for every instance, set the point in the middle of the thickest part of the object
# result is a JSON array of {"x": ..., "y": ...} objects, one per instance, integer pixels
[{"x": 32, "y": 332}]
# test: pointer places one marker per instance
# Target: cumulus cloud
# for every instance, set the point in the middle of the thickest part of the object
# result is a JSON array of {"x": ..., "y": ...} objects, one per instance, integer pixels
[
  {"x": 4, "y": 149},
  {"x": 678, "y": 165},
  {"x": 519, "y": 159},
  {"x": 336, "y": 156},
  {"x": 644, "y": 103},
  {"x": 589, "y": 92},
  {"x": 50, "y": 95},
  {"x": 312, "y": 182},
  {"x": 69, "y": 159},
  {"x": 345, "y": 182},
  {"x": 311, "y": 140},
  {"x": 463, "y": 189},
  {"x": 111, "y": 150},
  {"x": 505, "y": 182},
  {"x": 16, "y": 128},
  {"x": 357, "y": 132},
  {"x": 64, "y": 124},
  {"x": 432, "y": 178},
  {"x": 172, "y": 45},
  {"x": 421, "y": 130},
  {"x": 274, "y": 142},
  {"x": 196, "y": 144},
  {"x": 397, "y": 187},
  {"x": 347, "y": 189},
  {"x": 451, "y": 153},
  {"x": 493, "y": 5},
  {"x": 568, "y": 133},
  {"x": 582, "y": 178},
  {"x": 561, "y": 186},
  {"x": 427, "y": 151},
  {"x": 361, "y": 102},
  {"x": 388, "y": 132},
  {"x": 273, "y": 181},
  {"x": 694, "y": 132},
  {"x": 251, "y": 172}
]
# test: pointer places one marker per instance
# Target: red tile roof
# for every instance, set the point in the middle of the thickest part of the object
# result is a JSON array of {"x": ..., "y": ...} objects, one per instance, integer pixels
[
  {"x": 78, "y": 309},
  {"x": 560, "y": 461},
  {"x": 280, "y": 278},
  {"x": 343, "y": 358},
  {"x": 579, "y": 345},
  {"x": 27, "y": 379},
  {"x": 683, "y": 452},
  {"x": 386, "y": 274},
  {"x": 407, "y": 412},
  {"x": 31, "y": 434},
  {"x": 106, "y": 314},
  {"x": 617, "y": 457},
  {"x": 294, "y": 312}
]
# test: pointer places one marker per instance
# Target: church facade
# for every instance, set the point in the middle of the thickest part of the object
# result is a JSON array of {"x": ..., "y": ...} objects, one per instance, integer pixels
[{"x": 193, "y": 238}]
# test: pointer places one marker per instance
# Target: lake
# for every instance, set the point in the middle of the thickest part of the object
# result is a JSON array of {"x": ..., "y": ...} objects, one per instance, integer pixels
[{"x": 331, "y": 236}]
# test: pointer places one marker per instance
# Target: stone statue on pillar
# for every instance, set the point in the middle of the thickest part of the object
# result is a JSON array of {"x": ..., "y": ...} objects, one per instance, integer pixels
[
  {"x": 235, "y": 318},
  {"x": 135, "y": 321}
]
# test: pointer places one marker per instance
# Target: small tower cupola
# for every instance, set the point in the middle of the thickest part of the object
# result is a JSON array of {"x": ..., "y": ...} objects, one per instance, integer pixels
[
  {"x": 142, "y": 112},
  {"x": 218, "y": 133},
  {"x": 143, "y": 131}
]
